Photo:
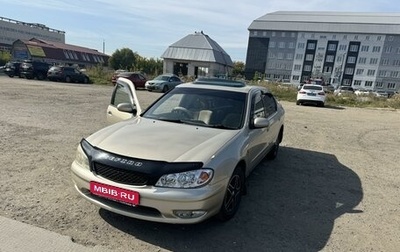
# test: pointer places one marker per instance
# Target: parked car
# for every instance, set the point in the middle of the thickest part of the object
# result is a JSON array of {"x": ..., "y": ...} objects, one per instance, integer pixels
[
  {"x": 328, "y": 88},
  {"x": 12, "y": 69},
  {"x": 186, "y": 157},
  {"x": 381, "y": 94},
  {"x": 362, "y": 92},
  {"x": 138, "y": 79},
  {"x": 67, "y": 74},
  {"x": 310, "y": 93},
  {"x": 34, "y": 69},
  {"x": 163, "y": 83},
  {"x": 343, "y": 90},
  {"x": 114, "y": 77}
]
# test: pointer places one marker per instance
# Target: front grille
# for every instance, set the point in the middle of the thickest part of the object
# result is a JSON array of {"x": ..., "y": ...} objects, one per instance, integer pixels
[{"x": 120, "y": 175}]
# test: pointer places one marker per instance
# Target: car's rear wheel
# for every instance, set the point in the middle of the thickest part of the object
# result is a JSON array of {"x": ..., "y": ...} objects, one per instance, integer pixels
[
  {"x": 85, "y": 80},
  {"x": 273, "y": 153},
  {"x": 68, "y": 79},
  {"x": 40, "y": 76},
  {"x": 298, "y": 103},
  {"x": 233, "y": 195}
]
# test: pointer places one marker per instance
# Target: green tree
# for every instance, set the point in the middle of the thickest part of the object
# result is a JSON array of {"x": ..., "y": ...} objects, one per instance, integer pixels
[
  {"x": 238, "y": 68},
  {"x": 4, "y": 57},
  {"x": 123, "y": 59}
]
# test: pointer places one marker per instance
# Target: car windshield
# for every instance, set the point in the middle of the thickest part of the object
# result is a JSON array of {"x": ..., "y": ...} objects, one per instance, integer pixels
[
  {"x": 204, "y": 107},
  {"x": 308, "y": 87},
  {"x": 162, "y": 77}
]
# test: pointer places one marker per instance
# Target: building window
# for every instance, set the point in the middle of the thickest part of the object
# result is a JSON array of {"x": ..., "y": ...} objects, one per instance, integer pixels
[
  {"x": 307, "y": 68},
  {"x": 300, "y": 45},
  {"x": 332, "y": 47},
  {"x": 346, "y": 82},
  {"x": 379, "y": 38},
  {"x": 368, "y": 84},
  {"x": 356, "y": 37},
  {"x": 283, "y": 34},
  {"x": 281, "y": 44},
  {"x": 349, "y": 70},
  {"x": 394, "y": 74},
  {"x": 367, "y": 38},
  {"x": 353, "y": 48},
  {"x": 373, "y": 61},
  {"x": 273, "y": 34},
  {"x": 390, "y": 38},
  {"x": 334, "y": 36},
  {"x": 362, "y": 60},
  {"x": 264, "y": 33},
  {"x": 327, "y": 69},
  {"x": 379, "y": 84},
  {"x": 299, "y": 56},
  {"x": 311, "y": 46},
  {"x": 364, "y": 48},
  {"x": 271, "y": 55},
  {"x": 66, "y": 54},
  {"x": 280, "y": 55},
  {"x": 296, "y": 77},
  {"x": 376, "y": 49},
  {"x": 255, "y": 33},
  {"x": 371, "y": 72},
  {"x": 396, "y": 62},
  {"x": 388, "y": 49},
  {"x": 342, "y": 47},
  {"x": 391, "y": 85},
  {"x": 384, "y": 62},
  {"x": 309, "y": 57},
  {"x": 351, "y": 59},
  {"x": 297, "y": 67},
  {"x": 272, "y": 44},
  {"x": 382, "y": 73},
  {"x": 330, "y": 58},
  {"x": 289, "y": 56},
  {"x": 293, "y": 35},
  {"x": 357, "y": 83},
  {"x": 344, "y": 36},
  {"x": 359, "y": 71},
  {"x": 291, "y": 45}
]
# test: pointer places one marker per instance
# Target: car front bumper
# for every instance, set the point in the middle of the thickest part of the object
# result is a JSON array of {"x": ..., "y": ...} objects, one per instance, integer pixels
[{"x": 156, "y": 203}]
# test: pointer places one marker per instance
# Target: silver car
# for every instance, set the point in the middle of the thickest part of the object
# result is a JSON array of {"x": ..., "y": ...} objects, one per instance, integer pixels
[{"x": 186, "y": 157}]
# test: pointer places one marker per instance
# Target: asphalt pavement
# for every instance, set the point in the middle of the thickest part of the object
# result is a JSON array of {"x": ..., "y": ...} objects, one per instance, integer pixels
[{"x": 16, "y": 236}]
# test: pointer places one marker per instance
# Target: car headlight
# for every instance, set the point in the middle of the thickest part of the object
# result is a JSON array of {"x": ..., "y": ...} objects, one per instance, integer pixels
[
  {"x": 188, "y": 179},
  {"x": 81, "y": 158}
]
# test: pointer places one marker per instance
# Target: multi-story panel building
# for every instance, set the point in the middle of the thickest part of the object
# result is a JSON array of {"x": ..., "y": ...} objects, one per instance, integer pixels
[
  {"x": 351, "y": 49},
  {"x": 12, "y": 30}
]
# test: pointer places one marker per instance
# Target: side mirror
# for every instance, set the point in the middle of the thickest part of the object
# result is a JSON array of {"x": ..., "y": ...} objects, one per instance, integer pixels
[
  {"x": 127, "y": 107},
  {"x": 261, "y": 122}
]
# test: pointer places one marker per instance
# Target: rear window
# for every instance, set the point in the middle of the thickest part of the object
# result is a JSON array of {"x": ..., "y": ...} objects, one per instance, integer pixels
[
  {"x": 54, "y": 68},
  {"x": 308, "y": 87}
]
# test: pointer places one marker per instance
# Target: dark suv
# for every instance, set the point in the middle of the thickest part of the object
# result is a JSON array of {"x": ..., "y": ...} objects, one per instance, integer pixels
[
  {"x": 12, "y": 69},
  {"x": 34, "y": 69},
  {"x": 67, "y": 74}
]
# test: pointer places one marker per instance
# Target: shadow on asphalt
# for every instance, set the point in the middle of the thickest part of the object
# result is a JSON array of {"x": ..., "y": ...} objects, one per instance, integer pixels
[{"x": 291, "y": 205}]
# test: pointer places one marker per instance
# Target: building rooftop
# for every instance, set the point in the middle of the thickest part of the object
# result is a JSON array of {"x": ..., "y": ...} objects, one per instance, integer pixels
[{"x": 324, "y": 21}]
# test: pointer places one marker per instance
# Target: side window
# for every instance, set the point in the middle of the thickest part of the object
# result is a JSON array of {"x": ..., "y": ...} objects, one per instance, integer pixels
[
  {"x": 270, "y": 104},
  {"x": 122, "y": 94},
  {"x": 258, "y": 106}
]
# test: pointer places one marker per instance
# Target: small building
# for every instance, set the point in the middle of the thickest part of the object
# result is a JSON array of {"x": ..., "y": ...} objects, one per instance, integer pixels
[
  {"x": 56, "y": 53},
  {"x": 196, "y": 55}
]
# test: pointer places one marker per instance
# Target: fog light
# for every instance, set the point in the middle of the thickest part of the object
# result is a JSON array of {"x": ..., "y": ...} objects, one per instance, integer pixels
[{"x": 188, "y": 214}]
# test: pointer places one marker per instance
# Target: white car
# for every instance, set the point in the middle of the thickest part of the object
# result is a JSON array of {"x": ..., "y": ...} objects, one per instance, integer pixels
[
  {"x": 186, "y": 157},
  {"x": 310, "y": 93}
]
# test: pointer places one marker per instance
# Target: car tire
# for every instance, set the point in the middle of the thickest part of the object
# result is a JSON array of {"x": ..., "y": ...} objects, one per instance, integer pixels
[
  {"x": 233, "y": 195},
  {"x": 165, "y": 89},
  {"x": 85, "y": 80},
  {"x": 273, "y": 153},
  {"x": 11, "y": 76},
  {"x": 40, "y": 76},
  {"x": 298, "y": 103},
  {"x": 67, "y": 79}
]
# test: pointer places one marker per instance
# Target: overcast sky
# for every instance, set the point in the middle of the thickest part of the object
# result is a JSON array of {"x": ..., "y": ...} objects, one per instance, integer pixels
[{"x": 149, "y": 27}]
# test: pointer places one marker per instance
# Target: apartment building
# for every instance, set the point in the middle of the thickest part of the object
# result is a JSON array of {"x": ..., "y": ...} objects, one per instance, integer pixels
[
  {"x": 351, "y": 49},
  {"x": 12, "y": 30}
]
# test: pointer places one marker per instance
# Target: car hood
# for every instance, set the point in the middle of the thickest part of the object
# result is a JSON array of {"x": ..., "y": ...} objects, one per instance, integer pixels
[{"x": 159, "y": 140}]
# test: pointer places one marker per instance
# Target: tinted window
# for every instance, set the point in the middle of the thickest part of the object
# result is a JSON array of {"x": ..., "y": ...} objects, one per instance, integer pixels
[
  {"x": 307, "y": 87},
  {"x": 121, "y": 94},
  {"x": 270, "y": 104}
]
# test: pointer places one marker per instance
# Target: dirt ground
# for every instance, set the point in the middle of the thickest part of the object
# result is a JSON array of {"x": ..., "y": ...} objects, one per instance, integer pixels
[{"x": 334, "y": 186}]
